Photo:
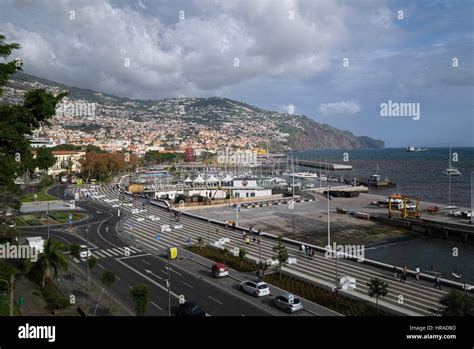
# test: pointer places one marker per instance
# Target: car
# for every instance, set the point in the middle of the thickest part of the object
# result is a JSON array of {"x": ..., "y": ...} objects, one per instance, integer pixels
[
  {"x": 287, "y": 302},
  {"x": 258, "y": 289},
  {"x": 219, "y": 270},
  {"x": 190, "y": 309},
  {"x": 84, "y": 252}
]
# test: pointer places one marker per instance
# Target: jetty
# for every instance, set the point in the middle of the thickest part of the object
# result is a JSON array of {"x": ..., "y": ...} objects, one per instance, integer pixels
[{"x": 325, "y": 165}]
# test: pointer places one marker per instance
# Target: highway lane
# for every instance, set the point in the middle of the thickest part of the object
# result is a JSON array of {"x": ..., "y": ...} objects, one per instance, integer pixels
[
  {"x": 143, "y": 268},
  {"x": 418, "y": 296}
]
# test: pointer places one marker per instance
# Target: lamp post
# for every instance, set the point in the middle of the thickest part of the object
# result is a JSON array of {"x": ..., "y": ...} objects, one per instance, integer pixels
[
  {"x": 329, "y": 220},
  {"x": 208, "y": 239},
  {"x": 87, "y": 260}
]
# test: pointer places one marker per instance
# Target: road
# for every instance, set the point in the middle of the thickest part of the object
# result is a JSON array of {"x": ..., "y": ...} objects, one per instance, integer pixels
[
  {"x": 415, "y": 297},
  {"x": 134, "y": 266}
]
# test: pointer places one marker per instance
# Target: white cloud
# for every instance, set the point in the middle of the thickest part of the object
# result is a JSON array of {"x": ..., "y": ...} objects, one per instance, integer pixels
[
  {"x": 193, "y": 56},
  {"x": 339, "y": 108}
]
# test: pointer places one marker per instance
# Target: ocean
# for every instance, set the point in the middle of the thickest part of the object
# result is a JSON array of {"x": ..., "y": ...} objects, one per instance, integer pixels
[{"x": 417, "y": 174}]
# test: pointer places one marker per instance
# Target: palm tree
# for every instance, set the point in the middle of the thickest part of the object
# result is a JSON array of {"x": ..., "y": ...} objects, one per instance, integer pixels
[
  {"x": 242, "y": 254},
  {"x": 281, "y": 253},
  {"x": 141, "y": 297},
  {"x": 108, "y": 278},
  {"x": 91, "y": 263},
  {"x": 200, "y": 242},
  {"x": 377, "y": 288},
  {"x": 53, "y": 257}
]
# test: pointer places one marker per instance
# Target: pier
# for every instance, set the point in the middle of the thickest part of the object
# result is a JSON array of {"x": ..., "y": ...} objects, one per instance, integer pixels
[{"x": 324, "y": 165}]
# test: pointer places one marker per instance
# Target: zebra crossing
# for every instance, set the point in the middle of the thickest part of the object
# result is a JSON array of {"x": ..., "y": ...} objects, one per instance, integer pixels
[
  {"x": 114, "y": 252},
  {"x": 418, "y": 299}
]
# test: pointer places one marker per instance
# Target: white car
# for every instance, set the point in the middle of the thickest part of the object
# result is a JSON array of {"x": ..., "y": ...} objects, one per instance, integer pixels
[
  {"x": 258, "y": 289},
  {"x": 84, "y": 252}
]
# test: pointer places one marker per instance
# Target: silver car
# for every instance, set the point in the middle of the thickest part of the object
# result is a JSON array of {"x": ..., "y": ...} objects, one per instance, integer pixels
[{"x": 288, "y": 302}]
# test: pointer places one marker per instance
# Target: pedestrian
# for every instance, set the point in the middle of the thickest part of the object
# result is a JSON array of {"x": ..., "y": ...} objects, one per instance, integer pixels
[
  {"x": 417, "y": 272},
  {"x": 395, "y": 272},
  {"x": 247, "y": 240},
  {"x": 243, "y": 235},
  {"x": 217, "y": 231},
  {"x": 437, "y": 282},
  {"x": 254, "y": 239},
  {"x": 258, "y": 274},
  {"x": 312, "y": 254},
  {"x": 258, "y": 241},
  {"x": 403, "y": 278},
  {"x": 309, "y": 253}
]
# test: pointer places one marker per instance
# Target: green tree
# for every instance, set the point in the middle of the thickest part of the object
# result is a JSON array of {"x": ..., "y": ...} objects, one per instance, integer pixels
[
  {"x": 141, "y": 297},
  {"x": 262, "y": 266},
  {"x": 75, "y": 249},
  {"x": 16, "y": 122},
  {"x": 200, "y": 242},
  {"x": 242, "y": 254},
  {"x": 377, "y": 288},
  {"x": 53, "y": 257},
  {"x": 44, "y": 159},
  {"x": 456, "y": 303},
  {"x": 281, "y": 254},
  {"x": 91, "y": 263},
  {"x": 108, "y": 278}
]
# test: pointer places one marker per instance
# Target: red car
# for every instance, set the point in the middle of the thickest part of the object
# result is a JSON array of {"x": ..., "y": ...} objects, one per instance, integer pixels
[{"x": 220, "y": 270}]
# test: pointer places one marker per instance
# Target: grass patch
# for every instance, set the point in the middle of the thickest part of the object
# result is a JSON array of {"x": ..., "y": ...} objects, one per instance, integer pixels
[
  {"x": 219, "y": 256},
  {"x": 53, "y": 296},
  {"x": 42, "y": 196},
  {"x": 55, "y": 217},
  {"x": 329, "y": 299}
]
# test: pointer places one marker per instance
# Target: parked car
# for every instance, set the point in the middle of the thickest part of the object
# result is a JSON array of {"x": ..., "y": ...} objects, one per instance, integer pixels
[
  {"x": 219, "y": 270},
  {"x": 190, "y": 309},
  {"x": 287, "y": 302},
  {"x": 258, "y": 289},
  {"x": 84, "y": 252}
]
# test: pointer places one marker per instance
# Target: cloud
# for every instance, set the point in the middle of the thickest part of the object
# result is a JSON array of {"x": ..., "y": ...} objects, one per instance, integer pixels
[
  {"x": 338, "y": 108},
  {"x": 191, "y": 57}
]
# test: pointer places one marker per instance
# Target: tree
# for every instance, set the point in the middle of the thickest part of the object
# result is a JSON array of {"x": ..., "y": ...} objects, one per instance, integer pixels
[
  {"x": 141, "y": 297},
  {"x": 108, "y": 278},
  {"x": 242, "y": 254},
  {"x": 263, "y": 266},
  {"x": 75, "y": 249},
  {"x": 91, "y": 263},
  {"x": 281, "y": 254},
  {"x": 377, "y": 288},
  {"x": 53, "y": 257},
  {"x": 456, "y": 303},
  {"x": 44, "y": 159},
  {"x": 16, "y": 122},
  {"x": 200, "y": 242}
]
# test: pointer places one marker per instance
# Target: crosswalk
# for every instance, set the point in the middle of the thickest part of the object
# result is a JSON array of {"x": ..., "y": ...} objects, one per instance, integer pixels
[
  {"x": 418, "y": 298},
  {"x": 115, "y": 252}
]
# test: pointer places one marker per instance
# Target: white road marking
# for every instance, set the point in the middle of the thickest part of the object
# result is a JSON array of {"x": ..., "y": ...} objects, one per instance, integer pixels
[
  {"x": 187, "y": 284},
  {"x": 164, "y": 272},
  {"x": 106, "y": 253},
  {"x": 215, "y": 300},
  {"x": 117, "y": 278},
  {"x": 100, "y": 265},
  {"x": 174, "y": 271},
  {"x": 156, "y": 306},
  {"x": 145, "y": 262}
]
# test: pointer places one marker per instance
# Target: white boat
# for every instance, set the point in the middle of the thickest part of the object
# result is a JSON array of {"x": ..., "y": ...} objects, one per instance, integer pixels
[
  {"x": 451, "y": 171},
  {"x": 304, "y": 175}
]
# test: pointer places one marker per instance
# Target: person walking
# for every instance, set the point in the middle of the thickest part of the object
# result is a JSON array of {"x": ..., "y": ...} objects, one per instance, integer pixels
[
  {"x": 309, "y": 253},
  {"x": 403, "y": 277},
  {"x": 247, "y": 240},
  {"x": 395, "y": 272},
  {"x": 417, "y": 272},
  {"x": 437, "y": 282}
]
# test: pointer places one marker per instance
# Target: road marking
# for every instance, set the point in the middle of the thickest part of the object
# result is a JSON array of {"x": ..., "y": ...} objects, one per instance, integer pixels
[
  {"x": 101, "y": 266},
  {"x": 134, "y": 249},
  {"x": 145, "y": 262},
  {"x": 215, "y": 300},
  {"x": 117, "y": 278},
  {"x": 113, "y": 253},
  {"x": 187, "y": 284},
  {"x": 149, "y": 279},
  {"x": 174, "y": 271},
  {"x": 138, "y": 255},
  {"x": 156, "y": 306},
  {"x": 243, "y": 314},
  {"x": 76, "y": 260},
  {"x": 117, "y": 250},
  {"x": 106, "y": 253},
  {"x": 150, "y": 272},
  {"x": 164, "y": 272},
  {"x": 98, "y": 254}
]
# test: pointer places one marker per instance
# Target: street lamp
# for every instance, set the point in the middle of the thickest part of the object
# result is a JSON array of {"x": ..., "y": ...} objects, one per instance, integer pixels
[
  {"x": 208, "y": 239},
  {"x": 329, "y": 220}
]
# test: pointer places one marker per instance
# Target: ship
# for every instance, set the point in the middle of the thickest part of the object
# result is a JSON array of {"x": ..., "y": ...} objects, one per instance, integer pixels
[
  {"x": 411, "y": 149},
  {"x": 376, "y": 181}
]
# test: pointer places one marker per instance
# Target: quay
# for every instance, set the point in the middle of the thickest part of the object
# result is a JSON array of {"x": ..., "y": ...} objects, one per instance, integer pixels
[{"x": 324, "y": 165}]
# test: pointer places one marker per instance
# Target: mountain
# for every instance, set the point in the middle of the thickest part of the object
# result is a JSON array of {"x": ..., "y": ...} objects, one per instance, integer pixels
[{"x": 261, "y": 127}]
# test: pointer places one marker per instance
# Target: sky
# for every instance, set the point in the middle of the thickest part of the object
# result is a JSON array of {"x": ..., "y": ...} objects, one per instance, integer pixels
[{"x": 336, "y": 62}]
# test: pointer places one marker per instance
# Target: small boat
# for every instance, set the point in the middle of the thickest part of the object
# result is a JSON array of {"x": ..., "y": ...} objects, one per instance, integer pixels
[
  {"x": 457, "y": 276},
  {"x": 341, "y": 210},
  {"x": 432, "y": 209},
  {"x": 411, "y": 149},
  {"x": 451, "y": 171},
  {"x": 376, "y": 181}
]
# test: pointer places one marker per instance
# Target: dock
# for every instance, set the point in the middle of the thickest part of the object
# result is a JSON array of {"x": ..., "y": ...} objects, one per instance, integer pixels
[{"x": 324, "y": 165}]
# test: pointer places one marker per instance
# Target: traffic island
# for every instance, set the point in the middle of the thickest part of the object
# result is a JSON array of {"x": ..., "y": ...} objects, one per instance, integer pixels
[{"x": 326, "y": 298}]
